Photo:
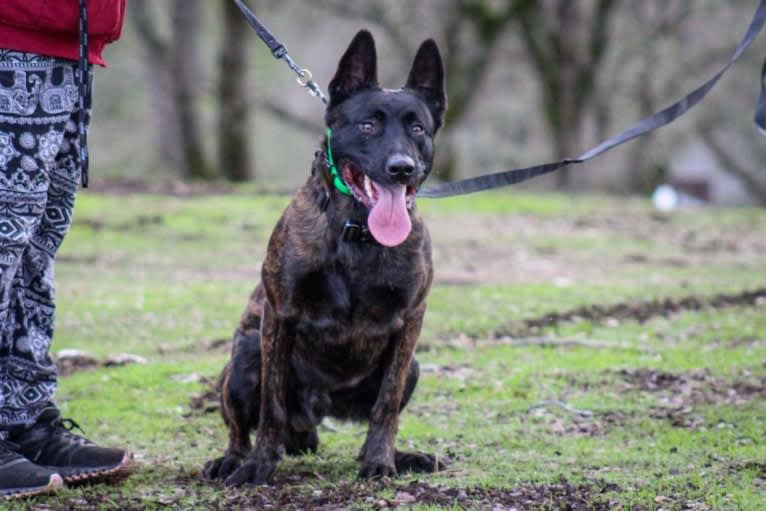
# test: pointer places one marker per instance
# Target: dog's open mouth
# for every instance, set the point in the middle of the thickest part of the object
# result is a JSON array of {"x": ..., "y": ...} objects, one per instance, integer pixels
[{"x": 389, "y": 219}]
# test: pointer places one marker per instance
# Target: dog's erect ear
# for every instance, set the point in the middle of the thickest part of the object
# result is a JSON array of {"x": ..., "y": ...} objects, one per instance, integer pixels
[
  {"x": 357, "y": 68},
  {"x": 427, "y": 78}
]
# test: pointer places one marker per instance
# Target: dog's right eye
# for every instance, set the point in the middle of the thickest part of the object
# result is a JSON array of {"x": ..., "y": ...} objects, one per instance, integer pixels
[{"x": 367, "y": 127}]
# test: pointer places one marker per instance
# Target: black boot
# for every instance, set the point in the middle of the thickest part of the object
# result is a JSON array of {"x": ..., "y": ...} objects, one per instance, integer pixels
[
  {"x": 19, "y": 477},
  {"x": 50, "y": 444}
]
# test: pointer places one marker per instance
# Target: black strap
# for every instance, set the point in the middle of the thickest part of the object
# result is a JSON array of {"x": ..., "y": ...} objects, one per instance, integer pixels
[
  {"x": 277, "y": 49},
  {"x": 280, "y": 52},
  {"x": 760, "y": 109},
  {"x": 357, "y": 233},
  {"x": 353, "y": 232},
  {"x": 82, "y": 71},
  {"x": 653, "y": 122}
]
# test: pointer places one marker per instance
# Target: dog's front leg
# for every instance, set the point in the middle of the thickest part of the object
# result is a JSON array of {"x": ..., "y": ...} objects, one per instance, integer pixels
[
  {"x": 378, "y": 453},
  {"x": 277, "y": 336}
]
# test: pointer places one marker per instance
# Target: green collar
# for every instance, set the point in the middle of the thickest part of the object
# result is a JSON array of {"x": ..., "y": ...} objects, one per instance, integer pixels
[{"x": 336, "y": 178}]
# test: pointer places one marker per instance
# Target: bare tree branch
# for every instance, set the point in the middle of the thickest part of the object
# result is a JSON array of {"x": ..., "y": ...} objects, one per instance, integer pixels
[
  {"x": 141, "y": 14},
  {"x": 373, "y": 13},
  {"x": 290, "y": 118}
]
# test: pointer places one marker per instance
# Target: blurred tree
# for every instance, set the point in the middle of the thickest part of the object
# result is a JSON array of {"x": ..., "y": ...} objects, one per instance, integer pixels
[
  {"x": 160, "y": 79},
  {"x": 185, "y": 58},
  {"x": 592, "y": 64},
  {"x": 660, "y": 61},
  {"x": 566, "y": 41},
  {"x": 472, "y": 31},
  {"x": 233, "y": 113},
  {"x": 727, "y": 152},
  {"x": 172, "y": 67},
  {"x": 644, "y": 27}
]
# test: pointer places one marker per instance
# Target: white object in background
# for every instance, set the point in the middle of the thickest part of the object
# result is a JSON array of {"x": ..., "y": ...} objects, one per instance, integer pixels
[{"x": 667, "y": 198}]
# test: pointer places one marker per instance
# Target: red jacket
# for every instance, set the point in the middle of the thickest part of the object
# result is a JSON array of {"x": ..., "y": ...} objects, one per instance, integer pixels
[{"x": 49, "y": 27}]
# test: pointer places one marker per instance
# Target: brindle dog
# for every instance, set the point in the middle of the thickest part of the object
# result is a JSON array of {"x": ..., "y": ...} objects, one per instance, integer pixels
[{"x": 331, "y": 329}]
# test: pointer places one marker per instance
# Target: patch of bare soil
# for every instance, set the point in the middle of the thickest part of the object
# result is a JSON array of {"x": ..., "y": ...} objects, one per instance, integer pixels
[
  {"x": 693, "y": 388},
  {"x": 679, "y": 394},
  {"x": 758, "y": 467},
  {"x": 638, "y": 311},
  {"x": 207, "y": 401},
  {"x": 580, "y": 425},
  {"x": 527, "y": 248},
  {"x": 71, "y": 361},
  {"x": 215, "y": 345},
  {"x": 139, "y": 222},
  {"x": 344, "y": 495},
  {"x": 174, "y": 188}
]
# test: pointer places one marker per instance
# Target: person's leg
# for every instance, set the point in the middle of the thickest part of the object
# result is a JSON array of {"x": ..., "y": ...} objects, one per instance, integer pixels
[
  {"x": 47, "y": 441},
  {"x": 30, "y": 138},
  {"x": 33, "y": 301},
  {"x": 29, "y": 142}
]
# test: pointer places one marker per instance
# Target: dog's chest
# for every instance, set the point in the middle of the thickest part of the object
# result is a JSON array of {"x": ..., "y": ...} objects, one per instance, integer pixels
[
  {"x": 345, "y": 303},
  {"x": 346, "y": 323}
]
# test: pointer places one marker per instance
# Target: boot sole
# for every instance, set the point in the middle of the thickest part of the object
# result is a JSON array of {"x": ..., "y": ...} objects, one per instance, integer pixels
[
  {"x": 123, "y": 470},
  {"x": 54, "y": 483}
]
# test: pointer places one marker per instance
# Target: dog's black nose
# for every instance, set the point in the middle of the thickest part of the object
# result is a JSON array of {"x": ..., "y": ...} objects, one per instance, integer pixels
[{"x": 400, "y": 166}]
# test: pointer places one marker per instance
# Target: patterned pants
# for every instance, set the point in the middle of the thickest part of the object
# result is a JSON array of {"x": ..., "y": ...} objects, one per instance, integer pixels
[{"x": 39, "y": 174}]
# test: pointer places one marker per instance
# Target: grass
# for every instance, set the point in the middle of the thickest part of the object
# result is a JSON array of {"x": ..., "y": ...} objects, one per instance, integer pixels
[{"x": 162, "y": 277}]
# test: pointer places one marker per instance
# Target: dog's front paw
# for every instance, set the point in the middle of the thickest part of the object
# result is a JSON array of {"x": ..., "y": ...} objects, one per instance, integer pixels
[
  {"x": 223, "y": 467},
  {"x": 251, "y": 472},
  {"x": 377, "y": 470}
]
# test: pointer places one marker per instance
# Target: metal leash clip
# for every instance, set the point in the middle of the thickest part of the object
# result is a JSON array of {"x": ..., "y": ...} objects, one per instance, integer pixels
[
  {"x": 305, "y": 78},
  {"x": 280, "y": 52}
]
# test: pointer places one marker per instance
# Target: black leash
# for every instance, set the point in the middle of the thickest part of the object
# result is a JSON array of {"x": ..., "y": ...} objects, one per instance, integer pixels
[
  {"x": 279, "y": 51},
  {"x": 653, "y": 122},
  {"x": 515, "y": 176},
  {"x": 760, "y": 109},
  {"x": 84, "y": 98}
]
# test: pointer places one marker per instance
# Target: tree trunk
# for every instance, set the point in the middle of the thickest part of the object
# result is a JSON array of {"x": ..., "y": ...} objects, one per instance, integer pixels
[
  {"x": 447, "y": 160},
  {"x": 567, "y": 58},
  {"x": 166, "y": 120},
  {"x": 233, "y": 113},
  {"x": 160, "y": 80},
  {"x": 185, "y": 63},
  {"x": 641, "y": 171},
  {"x": 752, "y": 179}
]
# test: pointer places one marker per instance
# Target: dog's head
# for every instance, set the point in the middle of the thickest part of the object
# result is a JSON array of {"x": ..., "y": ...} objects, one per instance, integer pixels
[{"x": 382, "y": 140}]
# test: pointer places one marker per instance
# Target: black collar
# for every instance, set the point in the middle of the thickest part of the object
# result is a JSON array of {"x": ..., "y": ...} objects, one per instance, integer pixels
[
  {"x": 357, "y": 233},
  {"x": 353, "y": 232}
]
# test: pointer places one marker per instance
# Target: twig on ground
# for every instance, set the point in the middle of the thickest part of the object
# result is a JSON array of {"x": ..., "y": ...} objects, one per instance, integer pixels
[
  {"x": 548, "y": 403},
  {"x": 555, "y": 342}
]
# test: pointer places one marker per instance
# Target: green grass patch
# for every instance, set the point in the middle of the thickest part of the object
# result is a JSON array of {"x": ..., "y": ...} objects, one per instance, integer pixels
[{"x": 162, "y": 277}]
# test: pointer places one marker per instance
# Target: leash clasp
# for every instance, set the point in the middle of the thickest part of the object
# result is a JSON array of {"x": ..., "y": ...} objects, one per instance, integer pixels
[{"x": 304, "y": 77}]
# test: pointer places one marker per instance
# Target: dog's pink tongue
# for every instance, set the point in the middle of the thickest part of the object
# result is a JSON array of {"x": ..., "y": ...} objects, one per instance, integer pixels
[{"x": 389, "y": 221}]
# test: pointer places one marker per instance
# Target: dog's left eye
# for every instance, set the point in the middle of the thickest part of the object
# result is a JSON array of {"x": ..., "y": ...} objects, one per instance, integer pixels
[
  {"x": 417, "y": 129},
  {"x": 367, "y": 127}
]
